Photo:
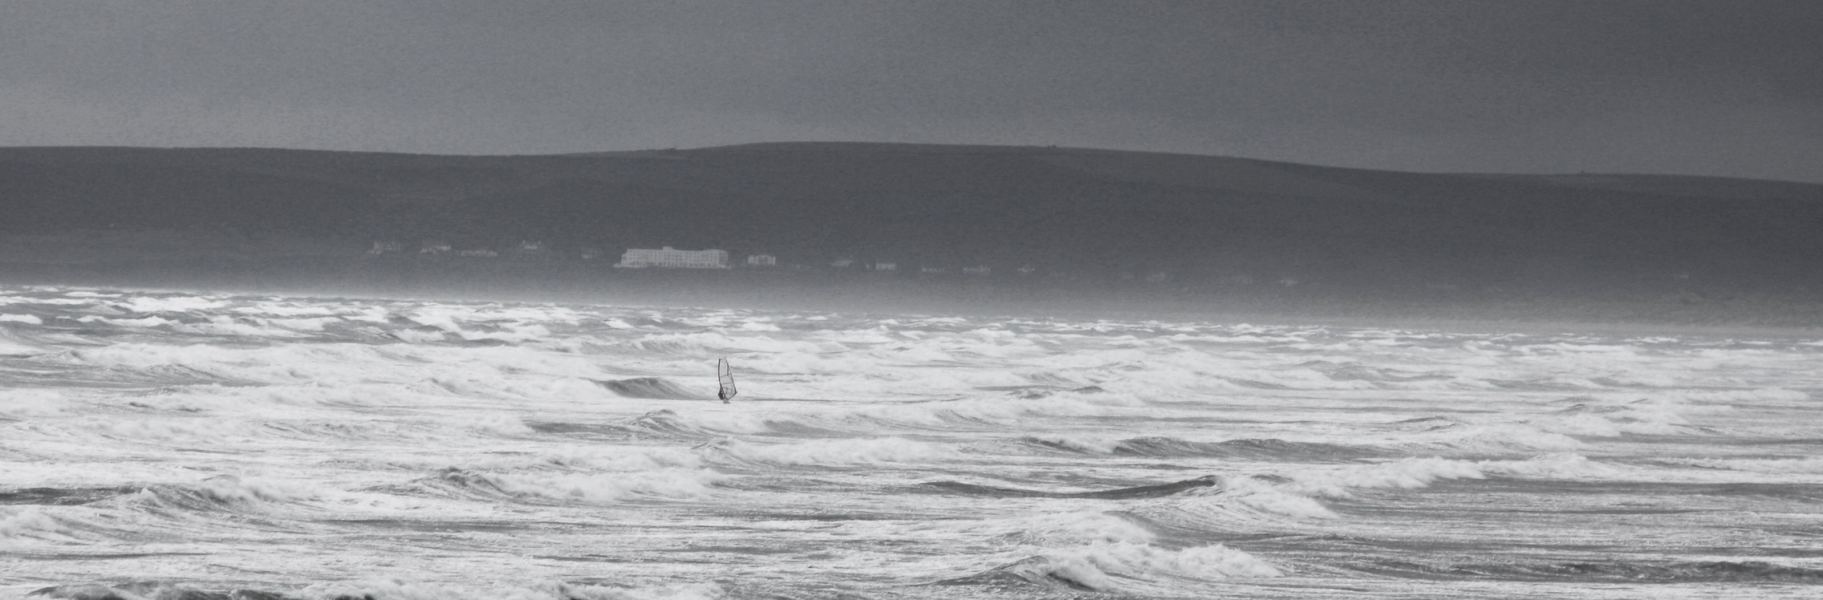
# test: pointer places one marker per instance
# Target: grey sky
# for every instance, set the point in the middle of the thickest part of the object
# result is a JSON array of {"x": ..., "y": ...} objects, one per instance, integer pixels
[{"x": 1730, "y": 87}]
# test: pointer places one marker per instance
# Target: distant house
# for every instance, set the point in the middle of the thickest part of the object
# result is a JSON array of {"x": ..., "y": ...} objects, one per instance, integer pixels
[
  {"x": 532, "y": 247},
  {"x": 977, "y": 270},
  {"x": 477, "y": 253},
  {"x": 885, "y": 266},
  {"x": 842, "y": 263},
  {"x": 932, "y": 270},
  {"x": 386, "y": 247},
  {"x": 434, "y": 247},
  {"x": 589, "y": 253},
  {"x": 1027, "y": 270},
  {"x": 672, "y": 258},
  {"x": 1158, "y": 277},
  {"x": 762, "y": 260}
]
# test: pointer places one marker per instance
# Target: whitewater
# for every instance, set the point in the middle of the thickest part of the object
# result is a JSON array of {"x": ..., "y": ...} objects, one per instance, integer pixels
[{"x": 177, "y": 445}]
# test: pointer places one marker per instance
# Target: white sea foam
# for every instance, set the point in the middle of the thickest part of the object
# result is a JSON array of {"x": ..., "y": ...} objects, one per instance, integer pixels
[
  {"x": 842, "y": 452},
  {"x": 601, "y": 460},
  {"x": 1725, "y": 397},
  {"x": 24, "y": 526},
  {"x": 405, "y": 588},
  {"x": 22, "y": 403},
  {"x": 1239, "y": 500},
  {"x": 46, "y": 301},
  {"x": 1083, "y": 528},
  {"x": 1108, "y": 567},
  {"x": 676, "y": 591},
  {"x": 418, "y": 336},
  {"x": 480, "y": 447},
  {"x": 1560, "y": 466},
  {"x": 142, "y": 322},
  {"x": 1404, "y": 473},
  {"x": 11, "y": 348},
  {"x": 229, "y": 326},
  {"x": 170, "y": 304},
  {"x": 288, "y": 310},
  {"x": 1494, "y": 438},
  {"x": 1806, "y": 466},
  {"x": 662, "y": 484},
  {"x": 305, "y": 324},
  {"x": 1611, "y": 420},
  {"x": 504, "y": 425},
  {"x": 512, "y": 334},
  {"x": 1095, "y": 445},
  {"x": 1409, "y": 473}
]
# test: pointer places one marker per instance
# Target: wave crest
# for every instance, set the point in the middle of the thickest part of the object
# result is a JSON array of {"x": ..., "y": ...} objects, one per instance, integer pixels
[
  {"x": 1112, "y": 566},
  {"x": 648, "y": 388}
]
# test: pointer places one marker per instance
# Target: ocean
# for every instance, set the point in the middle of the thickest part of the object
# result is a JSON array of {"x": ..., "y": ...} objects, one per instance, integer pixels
[{"x": 188, "y": 446}]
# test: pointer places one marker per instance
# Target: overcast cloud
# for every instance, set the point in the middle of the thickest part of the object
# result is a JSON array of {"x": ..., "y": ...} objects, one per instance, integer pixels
[{"x": 1666, "y": 86}]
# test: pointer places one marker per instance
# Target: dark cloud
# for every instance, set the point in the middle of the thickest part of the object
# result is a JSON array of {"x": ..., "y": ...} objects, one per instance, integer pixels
[{"x": 1685, "y": 86}]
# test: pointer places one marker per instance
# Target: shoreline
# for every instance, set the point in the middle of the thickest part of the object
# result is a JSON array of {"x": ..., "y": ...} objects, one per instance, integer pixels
[{"x": 903, "y": 293}]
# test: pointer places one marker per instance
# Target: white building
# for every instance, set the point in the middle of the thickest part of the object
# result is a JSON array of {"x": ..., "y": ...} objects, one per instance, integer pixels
[
  {"x": 672, "y": 258},
  {"x": 886, "y": 266},
  {"x": 386, "y": 247},
  {"x": 762, "y": 260}
]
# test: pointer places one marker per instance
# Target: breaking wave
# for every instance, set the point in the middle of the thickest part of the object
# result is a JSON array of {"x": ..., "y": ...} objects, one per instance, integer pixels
[
  {"x": 1411, "y": 473},
  {"x": 666, "y": 423},
  {"x": 1032, "y": 456},
  {"x": 660, "y": 484},
  {"x": 12, "y": 346},
  {"x": 32, "y": 524},
  {"x": 369, "y": 589},
  {"x": 1487, "y": 439},
  {"x": 215, "y": 495},
  {"x": 1126, "y": 493},
  {"x": 648, "y": 388},
  {"x": 1265, "y": 449},
  {"x": 1613, "y": 571},
  {"x": 1128, "y": 567},
  {"x": 835, "y": 452}
]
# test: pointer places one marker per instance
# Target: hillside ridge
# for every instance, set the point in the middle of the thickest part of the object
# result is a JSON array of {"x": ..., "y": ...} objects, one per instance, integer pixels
[{"x": 1080, "y": 212}]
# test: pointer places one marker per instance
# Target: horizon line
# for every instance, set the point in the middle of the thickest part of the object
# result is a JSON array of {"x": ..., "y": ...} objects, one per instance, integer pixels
[{"x": 898, "y": 145}]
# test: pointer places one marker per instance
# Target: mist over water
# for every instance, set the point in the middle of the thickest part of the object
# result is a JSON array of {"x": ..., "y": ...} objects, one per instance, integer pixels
[{"x": 153, "y": 443}]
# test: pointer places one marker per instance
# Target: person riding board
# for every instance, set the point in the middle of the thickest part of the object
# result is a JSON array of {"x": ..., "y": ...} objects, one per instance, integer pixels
[{"x": 725, "y": 375}]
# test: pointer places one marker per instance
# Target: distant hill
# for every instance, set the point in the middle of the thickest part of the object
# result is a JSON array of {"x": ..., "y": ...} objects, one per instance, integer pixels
[{"x": 1197, "y": 220}]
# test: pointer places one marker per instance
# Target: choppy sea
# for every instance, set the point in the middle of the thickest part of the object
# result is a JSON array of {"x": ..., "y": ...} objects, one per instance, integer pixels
[{"x": 183, "y": 446}]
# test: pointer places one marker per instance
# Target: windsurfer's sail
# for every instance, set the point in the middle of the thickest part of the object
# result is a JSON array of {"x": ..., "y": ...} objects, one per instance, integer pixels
[{"x": 725, "y": 373}]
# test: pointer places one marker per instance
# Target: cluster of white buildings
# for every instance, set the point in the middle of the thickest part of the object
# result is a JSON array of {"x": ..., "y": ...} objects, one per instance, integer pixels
[
  {"x": 656, "y": 258},
  {"x": 440, "y": 248},
  {"x": 672, "y": 258},
  {"x": 713, "y": 258}
]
